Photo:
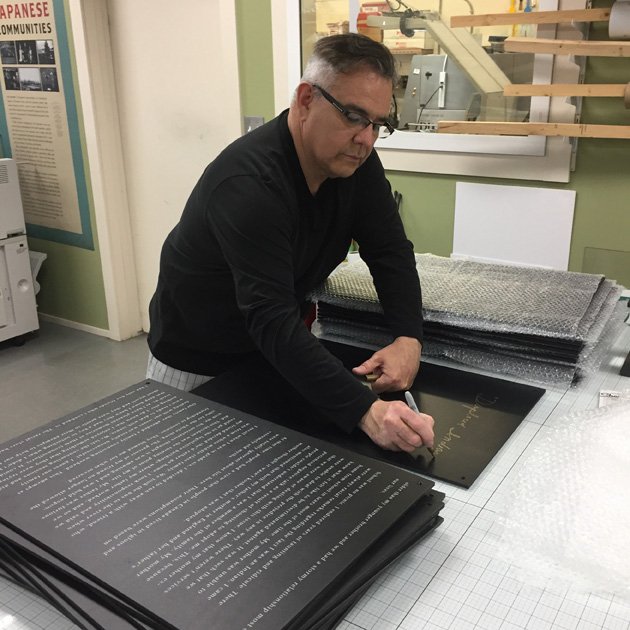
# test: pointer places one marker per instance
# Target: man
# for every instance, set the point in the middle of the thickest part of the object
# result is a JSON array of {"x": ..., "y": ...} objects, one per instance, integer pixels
[{"x": 268, "y": 221}]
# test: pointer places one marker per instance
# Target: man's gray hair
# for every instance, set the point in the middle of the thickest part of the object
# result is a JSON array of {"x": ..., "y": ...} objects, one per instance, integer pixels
[{"x": 345, "y": 54}]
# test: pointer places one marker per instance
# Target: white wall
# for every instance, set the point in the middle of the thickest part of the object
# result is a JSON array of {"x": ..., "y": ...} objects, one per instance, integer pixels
[{"x": 176, "y": 75}]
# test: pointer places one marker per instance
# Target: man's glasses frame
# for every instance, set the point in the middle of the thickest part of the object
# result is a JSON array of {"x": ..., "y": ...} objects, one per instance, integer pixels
[{"x": 380, "y": 129}]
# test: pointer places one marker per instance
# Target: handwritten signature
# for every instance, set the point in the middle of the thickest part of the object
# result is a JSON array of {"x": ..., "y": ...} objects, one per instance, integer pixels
[{"x": 454, "y": 432}]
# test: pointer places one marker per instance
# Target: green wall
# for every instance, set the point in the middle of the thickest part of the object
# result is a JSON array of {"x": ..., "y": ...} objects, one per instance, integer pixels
[
  {"x": 600, "y": 242},
  {"x": 255, "y": 57},
  {"x": 71, "y": 280}
]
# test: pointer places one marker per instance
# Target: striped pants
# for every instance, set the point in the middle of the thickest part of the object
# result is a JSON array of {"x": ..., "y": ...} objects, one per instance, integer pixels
[{"x": 162, "y": 373}]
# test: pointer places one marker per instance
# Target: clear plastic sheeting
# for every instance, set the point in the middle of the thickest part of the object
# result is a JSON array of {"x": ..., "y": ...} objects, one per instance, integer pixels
[
  {"x": 538, "y": 324},
  {"x": 565, "y": 517}
]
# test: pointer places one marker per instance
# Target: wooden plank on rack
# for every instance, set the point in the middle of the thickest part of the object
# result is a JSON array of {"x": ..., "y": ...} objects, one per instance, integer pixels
[
  {"x": 534, "y": 129},
  {"x": 568, "y": 47},
  {"x": 533, "y": 17},
  {"x": 565, "y": 89}
]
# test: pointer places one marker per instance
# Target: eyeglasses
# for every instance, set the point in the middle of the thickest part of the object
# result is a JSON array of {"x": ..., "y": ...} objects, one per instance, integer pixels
[{"x": 382, "y": 129}]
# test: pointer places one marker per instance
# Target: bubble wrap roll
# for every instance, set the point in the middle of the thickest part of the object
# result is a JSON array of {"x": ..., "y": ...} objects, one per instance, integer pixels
[{"x": 566, "y": 519}]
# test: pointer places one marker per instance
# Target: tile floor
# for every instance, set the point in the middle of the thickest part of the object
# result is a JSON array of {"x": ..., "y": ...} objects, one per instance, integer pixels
[{"x": 59, "y": 370}]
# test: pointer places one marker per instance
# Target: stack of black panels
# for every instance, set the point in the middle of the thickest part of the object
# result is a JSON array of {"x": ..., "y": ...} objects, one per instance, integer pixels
[
  {"x": 157, "y": 509},
  {"x": 538, "y": 324}
]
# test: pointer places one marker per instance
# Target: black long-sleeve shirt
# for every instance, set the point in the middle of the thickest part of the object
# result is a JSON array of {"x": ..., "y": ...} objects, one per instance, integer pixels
[{"x": 252, "y": 242}]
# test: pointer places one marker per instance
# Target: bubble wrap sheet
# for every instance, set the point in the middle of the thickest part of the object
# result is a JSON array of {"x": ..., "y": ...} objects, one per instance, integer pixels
[
  {"x": 539, "y": 324},
  {"x": 566, "y": 513}
]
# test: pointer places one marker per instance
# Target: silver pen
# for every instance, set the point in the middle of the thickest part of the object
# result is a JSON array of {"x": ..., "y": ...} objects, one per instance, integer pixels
[{"x": 412, "y": 405}]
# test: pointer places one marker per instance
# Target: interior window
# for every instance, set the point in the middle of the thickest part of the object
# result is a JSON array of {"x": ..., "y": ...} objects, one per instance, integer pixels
[{"x": 445, "y": 73}]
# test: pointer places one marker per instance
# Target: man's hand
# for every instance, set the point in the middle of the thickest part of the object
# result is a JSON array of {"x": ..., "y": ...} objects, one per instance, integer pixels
[
  {"x": 395, "y": 365},
  {"x": 396, "y": 427}
]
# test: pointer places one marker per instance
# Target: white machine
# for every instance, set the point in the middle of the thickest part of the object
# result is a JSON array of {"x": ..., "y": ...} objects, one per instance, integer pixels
[{"x": 18, "y": 310}]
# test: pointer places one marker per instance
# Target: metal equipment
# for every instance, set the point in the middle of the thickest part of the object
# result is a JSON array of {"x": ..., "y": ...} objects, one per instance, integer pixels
[
  {"x": 18, "y": 310},
  {"x": 438, "y": 89}
]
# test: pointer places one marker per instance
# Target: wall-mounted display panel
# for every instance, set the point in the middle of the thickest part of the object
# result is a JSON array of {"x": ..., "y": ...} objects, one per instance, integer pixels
[{"x": 40, "y": 121}]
